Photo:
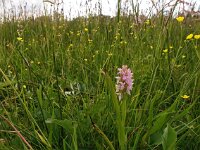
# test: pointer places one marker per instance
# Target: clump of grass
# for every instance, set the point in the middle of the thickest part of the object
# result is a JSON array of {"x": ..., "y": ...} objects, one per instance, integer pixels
[{"x": 53, "y": 91}]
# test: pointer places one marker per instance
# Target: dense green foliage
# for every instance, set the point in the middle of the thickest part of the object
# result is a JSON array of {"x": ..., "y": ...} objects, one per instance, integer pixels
[{"x": 53, "y": 85}]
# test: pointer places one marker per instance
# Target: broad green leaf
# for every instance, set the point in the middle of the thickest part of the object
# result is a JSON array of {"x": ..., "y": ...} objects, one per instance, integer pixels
[
  {"x": 156, "y": 138},
  {"x": 150, "y": 117},
  {"x": 111, "y": 89},
  {"x": 159, "y": 123},
  {"x": 169, "y": 138},
  {"x": 68, "y": 125},
  {"x": 162, "y": 119},
  {"x": 39, "y": 96},
  {"x": 120, "y": 120},
  {"x": 183, "y": 113}
]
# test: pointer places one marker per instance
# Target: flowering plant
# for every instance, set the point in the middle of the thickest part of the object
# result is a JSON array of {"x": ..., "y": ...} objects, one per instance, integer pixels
[
  {"x": 124, "y": 81},
  {"x": 180, "y": 19}
]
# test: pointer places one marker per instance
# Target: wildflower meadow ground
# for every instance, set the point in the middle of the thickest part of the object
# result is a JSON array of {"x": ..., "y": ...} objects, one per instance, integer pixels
[{"x": 100, "y": 82}]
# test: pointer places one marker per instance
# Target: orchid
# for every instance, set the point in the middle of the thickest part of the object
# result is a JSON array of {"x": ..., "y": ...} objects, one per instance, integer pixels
[{"x": 124, "y": 81}]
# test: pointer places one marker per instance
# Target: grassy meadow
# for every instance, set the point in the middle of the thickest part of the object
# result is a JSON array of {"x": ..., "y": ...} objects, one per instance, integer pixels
[{"x": 57, "y": 83}]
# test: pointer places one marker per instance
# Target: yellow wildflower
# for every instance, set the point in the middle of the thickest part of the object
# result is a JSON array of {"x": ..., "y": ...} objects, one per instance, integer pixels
[
  {"x": 71, "y": 32},
  {"x": 185, "y": 96},
  {"x": 20, "y": 39},
  {"x": 180, "y": 19},
  {"x": 86, "y": 29},
  {"x": 189, "y": 37},
  {"x": 147, "y": 21},
  {"x": 197, "y": 36},
  {"x": 165, "y": 50},
  {"x": 183, "y": 56},
  {"x": 70, "y": 45},
  {"x": 89, "y": 41}
]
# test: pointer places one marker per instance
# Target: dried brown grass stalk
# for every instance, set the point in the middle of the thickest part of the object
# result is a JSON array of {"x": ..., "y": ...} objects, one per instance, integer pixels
[{"x": 16, "y": 131}]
